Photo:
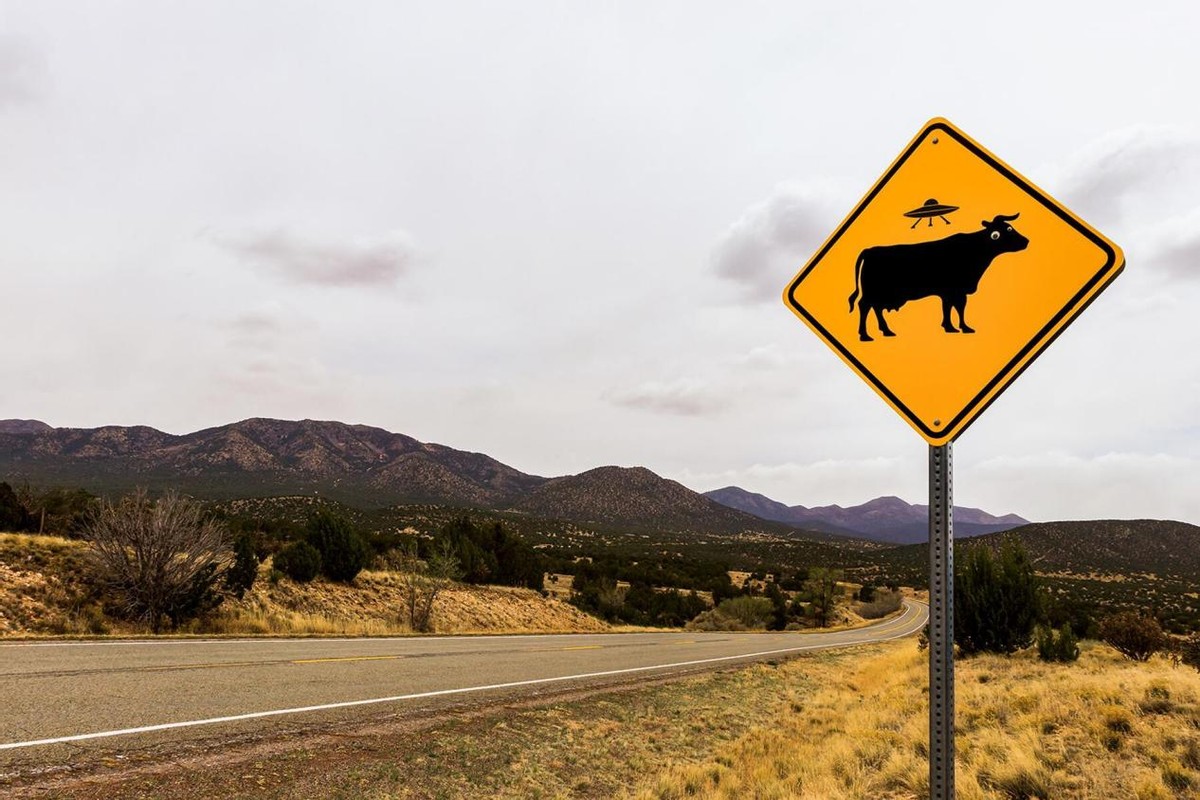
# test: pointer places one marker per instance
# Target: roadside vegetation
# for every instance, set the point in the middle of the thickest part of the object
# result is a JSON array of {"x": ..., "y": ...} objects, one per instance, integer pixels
[
  {"x": 140, "y": 564},
  {"x": 1105, "y": 726},
  {"x": 168, "y": 563}
]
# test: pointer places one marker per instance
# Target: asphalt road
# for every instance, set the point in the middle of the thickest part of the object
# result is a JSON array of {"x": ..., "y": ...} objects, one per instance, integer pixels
[{"x": 62, "y": 700}]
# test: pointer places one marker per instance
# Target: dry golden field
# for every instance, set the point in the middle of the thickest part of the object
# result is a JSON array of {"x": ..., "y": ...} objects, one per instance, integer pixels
[{"x": 1104, "y": 727}]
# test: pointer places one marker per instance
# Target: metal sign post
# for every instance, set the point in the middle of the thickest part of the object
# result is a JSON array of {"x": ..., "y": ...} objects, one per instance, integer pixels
[{"x": 941, "y": 623}]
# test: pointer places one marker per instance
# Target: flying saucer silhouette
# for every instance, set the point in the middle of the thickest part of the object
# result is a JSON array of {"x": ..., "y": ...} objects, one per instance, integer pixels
[{"x": 929, "y": 209}]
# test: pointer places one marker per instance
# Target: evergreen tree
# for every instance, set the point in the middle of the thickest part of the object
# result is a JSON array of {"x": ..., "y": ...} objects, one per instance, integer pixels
[
  {"x": 779, "y": 607},
  {"x": 13, "y": 514},
  {"x": 244, "y": 570},
  {"x": 823, "y": 593},
  {"x": 997, "y": 601},
  {"x": 478, "y": 564},
  {"x": 300, "y": 561},
  {"x": 343, "y": 552}
]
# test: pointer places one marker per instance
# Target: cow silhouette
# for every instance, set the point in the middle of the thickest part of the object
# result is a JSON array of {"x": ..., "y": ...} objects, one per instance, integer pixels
[{"x": 950, "y": 268}]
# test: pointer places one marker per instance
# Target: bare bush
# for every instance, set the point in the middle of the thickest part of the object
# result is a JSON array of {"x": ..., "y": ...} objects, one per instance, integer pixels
[
  {"x": 161, "y": 557},
  {"x": 1136, "y": 636},
  {"x": 423, "y": 580},
  {"x": 882, "y": 604},
  {"x": 1189, "y": 651}
]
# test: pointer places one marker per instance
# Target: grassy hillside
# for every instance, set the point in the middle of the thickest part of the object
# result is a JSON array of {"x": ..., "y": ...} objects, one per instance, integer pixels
[{"x": 43, "y": 590}]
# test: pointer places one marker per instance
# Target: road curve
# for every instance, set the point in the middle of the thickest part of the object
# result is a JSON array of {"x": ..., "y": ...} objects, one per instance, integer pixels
[{"x": 59, "y": 697}]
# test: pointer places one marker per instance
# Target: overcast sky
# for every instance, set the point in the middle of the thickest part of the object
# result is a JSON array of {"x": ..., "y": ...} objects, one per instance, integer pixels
[{"x": 557, "y": 233}]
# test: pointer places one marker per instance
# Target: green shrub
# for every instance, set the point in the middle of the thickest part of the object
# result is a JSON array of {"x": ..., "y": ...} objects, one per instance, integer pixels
[
  {"x": 343, "y": 552},
  {"x": 1061, "y": 646},
  {"x": 1136, "y": 636},
  {"x": 750, "y": 612},
  {"x": 300, "y": 561}
]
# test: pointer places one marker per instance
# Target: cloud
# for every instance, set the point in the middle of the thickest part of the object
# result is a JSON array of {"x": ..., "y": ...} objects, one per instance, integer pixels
[
  {"x": 361, "y": 262},
  {"x": 768, "y": 357},
  {"x": 1174, "y": 245},
  {"x": 1124, "y": 170},
  {"x": 1118, "y": 485},
  {"x": 255, "y": 324},
  {"x": 685, "y": 398},
  {"x": 772, "y": 239},
  {"x": 22, "y": 71}
]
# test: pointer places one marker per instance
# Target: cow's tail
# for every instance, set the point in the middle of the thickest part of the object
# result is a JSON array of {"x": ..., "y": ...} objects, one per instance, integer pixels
[{"x": 857, "y": 276}]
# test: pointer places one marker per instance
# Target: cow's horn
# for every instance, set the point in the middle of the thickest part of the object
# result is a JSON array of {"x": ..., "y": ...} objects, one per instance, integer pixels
[{"x": 1006, "y": 217}]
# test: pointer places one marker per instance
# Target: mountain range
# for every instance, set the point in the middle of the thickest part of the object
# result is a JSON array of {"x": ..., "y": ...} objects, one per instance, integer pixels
[
  {"x": 884, "y": 519},
  {"x": 370, "y": 467}
]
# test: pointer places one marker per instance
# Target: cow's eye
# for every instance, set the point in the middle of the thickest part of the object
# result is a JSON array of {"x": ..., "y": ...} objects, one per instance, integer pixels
[
  {"x": 1009, "y": 229},
  {"x": 995, "y": 234}
]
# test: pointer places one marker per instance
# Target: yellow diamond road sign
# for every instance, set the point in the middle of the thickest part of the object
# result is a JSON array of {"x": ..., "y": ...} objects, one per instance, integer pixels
[{"x": 948, "y": 278}]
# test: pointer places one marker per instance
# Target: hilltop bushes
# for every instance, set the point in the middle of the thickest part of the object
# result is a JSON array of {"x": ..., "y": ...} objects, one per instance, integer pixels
[
  {"x": 244, "y": 569},
  {"x": 62, "y": 512},
  {"x": 13, "y": 516},
  {"x": 489, "y": 554},
  {"x": 638, "y": 604}
]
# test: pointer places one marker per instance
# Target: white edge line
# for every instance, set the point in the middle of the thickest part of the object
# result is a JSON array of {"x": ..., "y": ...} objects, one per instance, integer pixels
[
  {"x": 356, "y": 639},
  {"x": 439, "y": 693}
]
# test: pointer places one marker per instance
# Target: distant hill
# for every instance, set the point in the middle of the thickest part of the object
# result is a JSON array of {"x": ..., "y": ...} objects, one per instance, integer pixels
[
  {"x": 353, "y": 463},
  {"x": 884, "y": 519},
  {"x": 635, "y": 498}
]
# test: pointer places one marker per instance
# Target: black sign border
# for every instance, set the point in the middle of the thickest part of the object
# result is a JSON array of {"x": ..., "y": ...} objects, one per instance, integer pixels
[{"x": 1041, "y": 340}]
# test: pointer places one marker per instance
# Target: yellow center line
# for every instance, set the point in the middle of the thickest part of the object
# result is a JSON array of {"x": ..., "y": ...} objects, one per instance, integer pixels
[{"x": 347, "y": 658}]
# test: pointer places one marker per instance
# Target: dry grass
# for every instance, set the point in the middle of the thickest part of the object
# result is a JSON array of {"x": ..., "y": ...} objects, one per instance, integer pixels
[
  {"x": 372, "y": 606},
  {"x": 1104, "y": 727}
]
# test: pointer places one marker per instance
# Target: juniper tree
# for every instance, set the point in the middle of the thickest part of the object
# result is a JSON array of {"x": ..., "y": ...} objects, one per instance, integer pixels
[{"x": 997, "y": 600}]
